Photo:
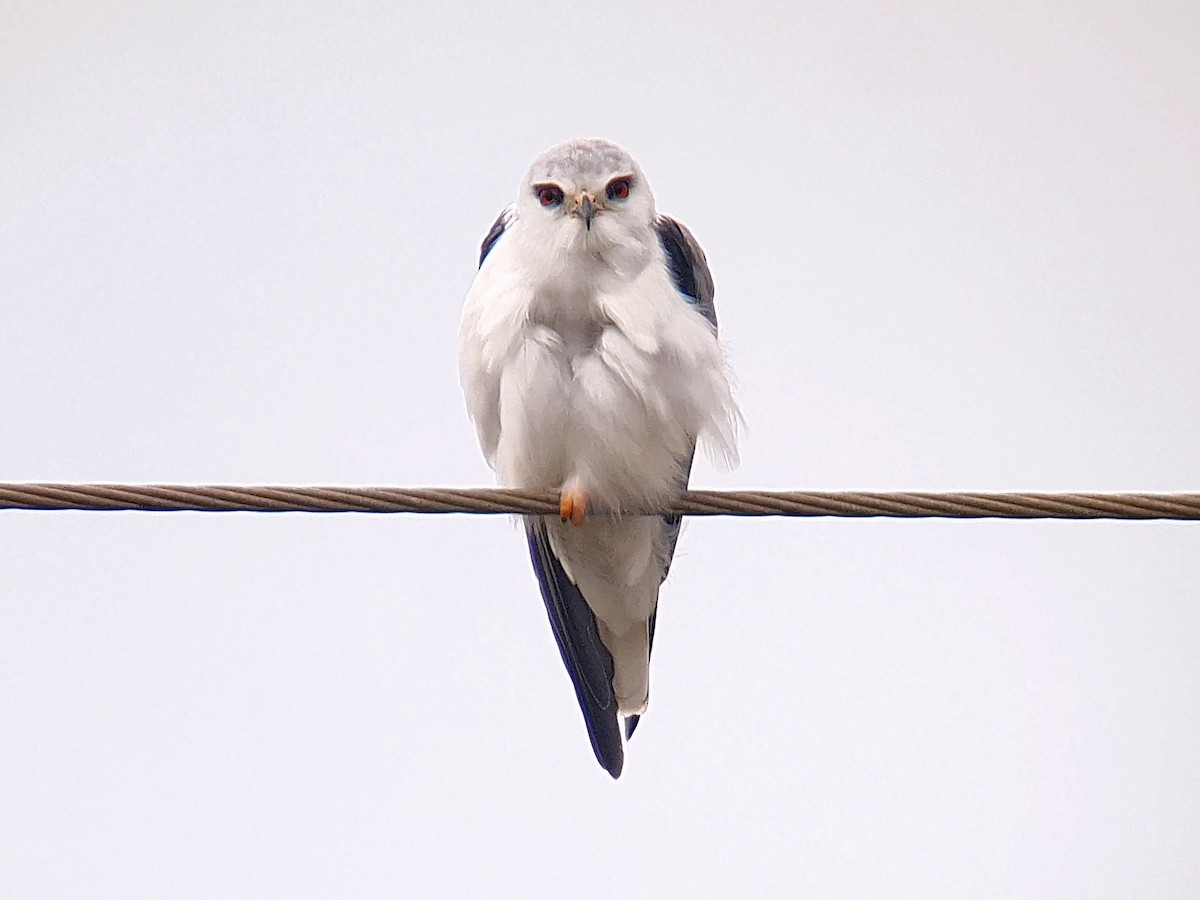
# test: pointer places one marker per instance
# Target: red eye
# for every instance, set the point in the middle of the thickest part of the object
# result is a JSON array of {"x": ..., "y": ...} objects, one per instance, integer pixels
[
  {"x": 548, "y": 194},
  {"x": 618, "y": 189}
]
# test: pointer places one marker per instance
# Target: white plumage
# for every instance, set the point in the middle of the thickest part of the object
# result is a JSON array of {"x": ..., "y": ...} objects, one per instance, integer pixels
[{"x": 587, "y": 371}]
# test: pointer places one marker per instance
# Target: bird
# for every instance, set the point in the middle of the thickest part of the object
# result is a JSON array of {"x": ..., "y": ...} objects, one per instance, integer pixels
[{"x": 591, "y": 368}]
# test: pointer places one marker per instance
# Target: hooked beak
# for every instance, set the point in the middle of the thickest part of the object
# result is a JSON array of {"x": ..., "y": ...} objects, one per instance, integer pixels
[{"x": 587, "y": 209}]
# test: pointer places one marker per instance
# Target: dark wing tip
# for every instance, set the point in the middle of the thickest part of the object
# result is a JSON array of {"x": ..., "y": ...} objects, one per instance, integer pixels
[
  {"x": 614, "y": 765},
  {"x": 587, "y": 660},
  {"x": 631, "y": 725}
]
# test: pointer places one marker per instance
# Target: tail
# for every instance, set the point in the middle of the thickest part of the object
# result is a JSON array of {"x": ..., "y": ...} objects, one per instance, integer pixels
[
  {"x": 631, "y": 666},
  {"x": 588, "y": 661},
  {"x": 631, "y": 722}
]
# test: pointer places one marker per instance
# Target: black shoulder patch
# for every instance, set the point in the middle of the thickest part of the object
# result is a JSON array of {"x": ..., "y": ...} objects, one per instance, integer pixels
[
  {"x": 670, "y": 235},
  {"x": 493, "y": 235},
  {"x": 689, "y": 268}
]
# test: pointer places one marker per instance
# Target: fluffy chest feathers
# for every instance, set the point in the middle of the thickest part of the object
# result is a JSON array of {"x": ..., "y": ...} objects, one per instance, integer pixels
[
  {"x": 594, "y": 302},
  {"x": 590, "y": 370}
]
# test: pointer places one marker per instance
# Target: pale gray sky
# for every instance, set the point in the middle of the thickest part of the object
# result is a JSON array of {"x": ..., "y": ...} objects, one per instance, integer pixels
[{"x": 956, "y": 247}]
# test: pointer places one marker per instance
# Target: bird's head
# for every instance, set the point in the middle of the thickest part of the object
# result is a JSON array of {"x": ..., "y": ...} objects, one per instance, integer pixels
[{"x": 587, "y": 193}]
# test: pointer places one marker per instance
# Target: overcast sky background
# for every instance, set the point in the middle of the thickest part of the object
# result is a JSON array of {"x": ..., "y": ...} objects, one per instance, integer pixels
[{"x": 955, "y": 246}]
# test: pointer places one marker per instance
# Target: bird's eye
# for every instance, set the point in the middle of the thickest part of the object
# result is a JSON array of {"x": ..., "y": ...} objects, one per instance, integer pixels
[
  {"x": 548, "y": 194},
  {"x": 618, "y": 189}
]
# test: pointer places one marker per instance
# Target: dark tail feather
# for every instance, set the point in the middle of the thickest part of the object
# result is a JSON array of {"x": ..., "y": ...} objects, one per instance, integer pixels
[{"x": 587, "y": 660}]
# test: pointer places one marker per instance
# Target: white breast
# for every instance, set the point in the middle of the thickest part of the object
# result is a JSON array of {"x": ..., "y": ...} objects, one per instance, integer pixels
[{"x": 591, "y": 383}]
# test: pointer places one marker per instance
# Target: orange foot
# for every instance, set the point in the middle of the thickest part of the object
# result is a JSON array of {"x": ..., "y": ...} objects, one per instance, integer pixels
[{"x": 573, "y": 505}]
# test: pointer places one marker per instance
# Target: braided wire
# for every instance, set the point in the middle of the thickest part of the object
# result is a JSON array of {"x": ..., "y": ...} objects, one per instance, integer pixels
[{"x": 855, "y": 504}]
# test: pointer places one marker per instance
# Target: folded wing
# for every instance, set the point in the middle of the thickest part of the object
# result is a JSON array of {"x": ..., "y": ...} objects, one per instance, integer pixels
[{"x": 588, "y": 661}]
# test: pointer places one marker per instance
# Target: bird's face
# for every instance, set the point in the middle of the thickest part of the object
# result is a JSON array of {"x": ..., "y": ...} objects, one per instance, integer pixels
[{"x": 587, "y": 194}]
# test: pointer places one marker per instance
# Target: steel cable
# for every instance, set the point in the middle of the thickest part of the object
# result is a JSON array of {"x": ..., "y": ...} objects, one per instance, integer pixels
[{"x": 856, "y": 504}]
